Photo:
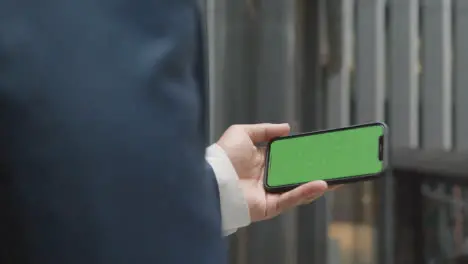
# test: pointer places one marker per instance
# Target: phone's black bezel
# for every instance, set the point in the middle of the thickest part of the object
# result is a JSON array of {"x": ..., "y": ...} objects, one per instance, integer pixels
[{"x": 350, "y": 179}]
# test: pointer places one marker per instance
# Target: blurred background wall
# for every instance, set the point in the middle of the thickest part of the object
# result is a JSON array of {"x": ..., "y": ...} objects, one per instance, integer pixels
[{"x": 332, "y": 63}]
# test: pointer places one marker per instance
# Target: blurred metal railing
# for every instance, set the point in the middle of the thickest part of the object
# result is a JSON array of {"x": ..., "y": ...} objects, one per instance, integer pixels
[{"x": 333, "y": 63}]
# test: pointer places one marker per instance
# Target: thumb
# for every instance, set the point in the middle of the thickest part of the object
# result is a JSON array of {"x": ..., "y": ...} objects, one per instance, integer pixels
[{"x": 265, "y": 132}]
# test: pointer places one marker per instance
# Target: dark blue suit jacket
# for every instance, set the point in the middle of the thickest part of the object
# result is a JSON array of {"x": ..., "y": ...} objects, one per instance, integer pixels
[{"x": 102, "y": 135}]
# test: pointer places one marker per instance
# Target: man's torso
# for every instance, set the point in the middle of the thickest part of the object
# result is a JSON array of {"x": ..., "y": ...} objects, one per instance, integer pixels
[{"x": 101, "y": 135}]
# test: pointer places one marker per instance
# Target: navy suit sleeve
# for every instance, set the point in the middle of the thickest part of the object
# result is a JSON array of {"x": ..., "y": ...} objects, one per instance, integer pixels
[
  {"x": 212, "y": 176},
  {"x": 101, "y": 153}
]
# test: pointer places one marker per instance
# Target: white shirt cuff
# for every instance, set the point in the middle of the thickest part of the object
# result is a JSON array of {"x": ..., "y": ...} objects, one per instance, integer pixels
[{"x": 234, "y": 208}]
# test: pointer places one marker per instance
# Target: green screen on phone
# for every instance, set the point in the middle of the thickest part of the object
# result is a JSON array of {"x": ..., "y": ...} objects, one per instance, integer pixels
[{"x": 326, "y": 155}]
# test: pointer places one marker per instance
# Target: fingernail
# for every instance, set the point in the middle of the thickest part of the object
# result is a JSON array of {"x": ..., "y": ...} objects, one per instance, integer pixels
[{"x": 325, "y": 184}]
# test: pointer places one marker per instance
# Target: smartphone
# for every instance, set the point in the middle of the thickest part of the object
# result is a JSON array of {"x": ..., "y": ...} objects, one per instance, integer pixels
[{"x": 336, "y": 156}]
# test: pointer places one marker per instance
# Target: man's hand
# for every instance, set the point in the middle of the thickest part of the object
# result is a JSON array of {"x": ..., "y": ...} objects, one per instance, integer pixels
[{"x": 249, "y": 161}]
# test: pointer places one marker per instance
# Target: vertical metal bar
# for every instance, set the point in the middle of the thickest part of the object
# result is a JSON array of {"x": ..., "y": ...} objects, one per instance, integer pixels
[
  {"x": 338, "y": 92},
  {"x": 216, "y": 26},
  {"x": 461, "y": 76},
  {"x": 403, "y": 99},
  {"x": 437, "y": 74},
  {"x": 404, "y": 73},
  {"x": 370, "y": 105},
  {"x": 370, "y": 60},
  {"x": 460, "y": 94}
]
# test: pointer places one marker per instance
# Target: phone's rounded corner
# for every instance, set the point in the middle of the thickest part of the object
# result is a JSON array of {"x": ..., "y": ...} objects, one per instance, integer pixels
[
  {"x": 384, "y": 127},
  {"x": 382, "y": 123},
  {"x": 269, "y": 189}
]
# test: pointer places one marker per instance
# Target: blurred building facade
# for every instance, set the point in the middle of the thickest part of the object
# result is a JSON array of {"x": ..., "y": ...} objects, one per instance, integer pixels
[{"x": 332, "y": 63}]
